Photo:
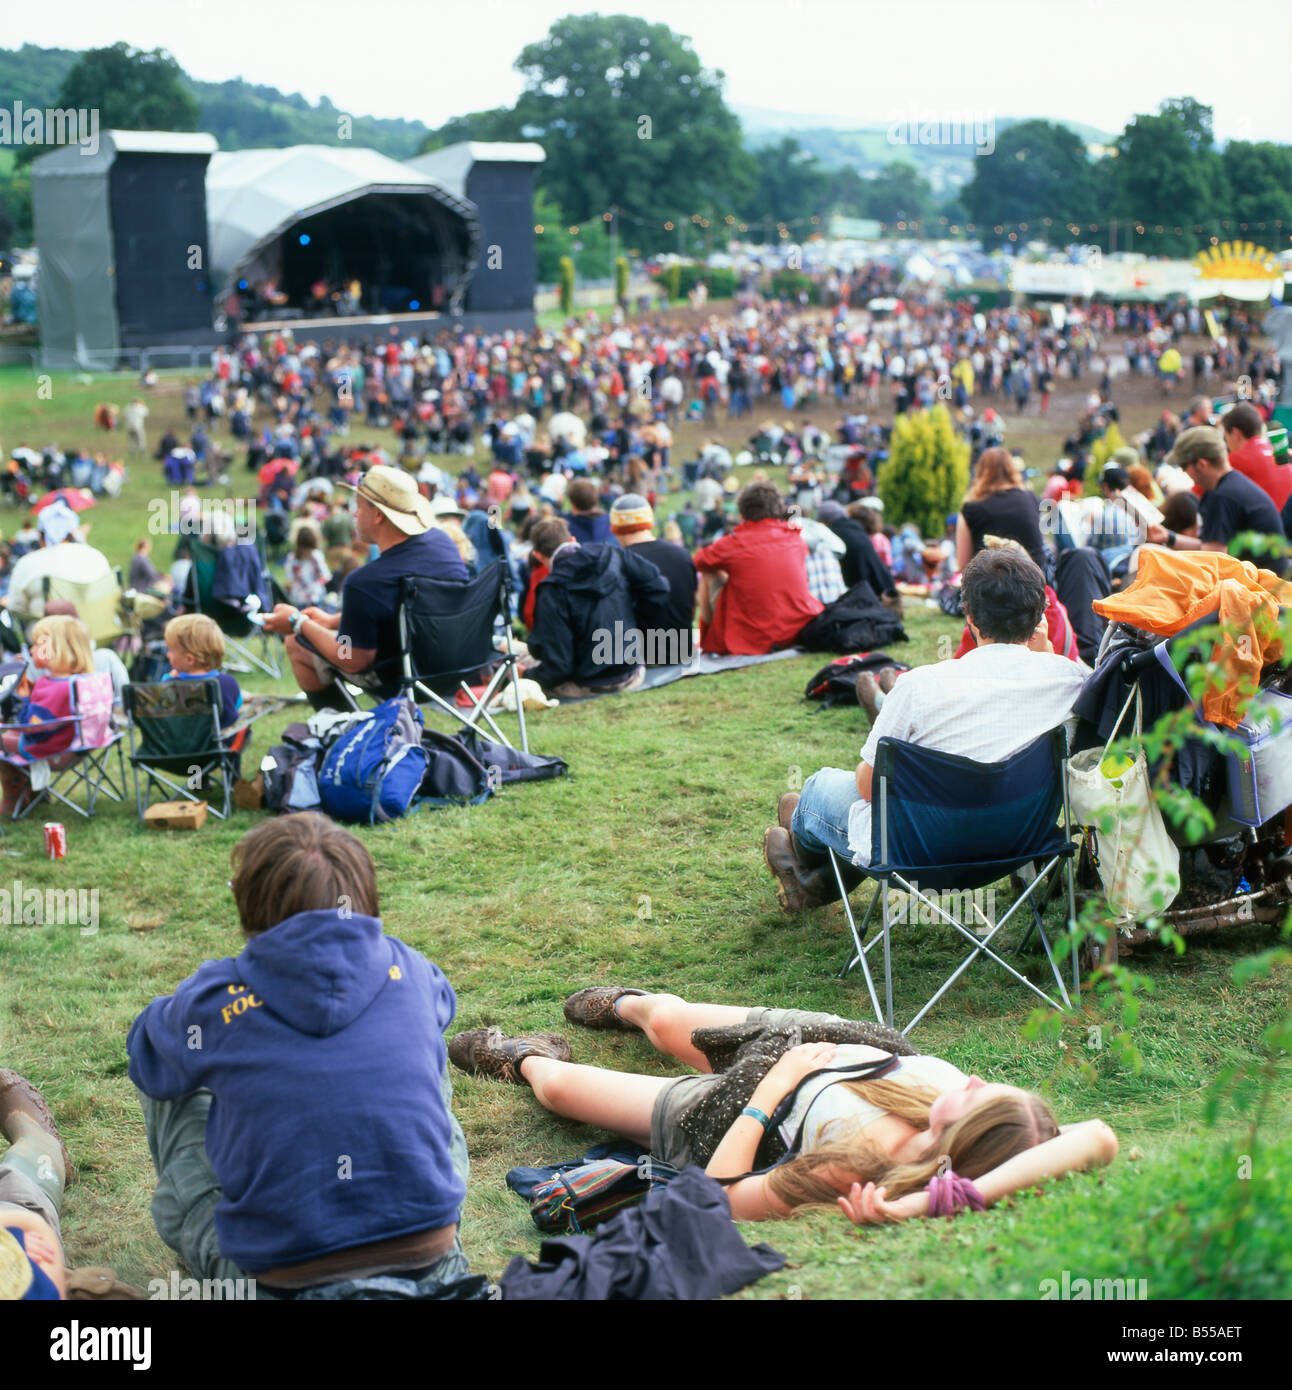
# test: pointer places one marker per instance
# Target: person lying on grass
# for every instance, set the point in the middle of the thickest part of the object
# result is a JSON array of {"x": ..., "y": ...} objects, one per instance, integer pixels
[{"x": 914, "y": 1137}]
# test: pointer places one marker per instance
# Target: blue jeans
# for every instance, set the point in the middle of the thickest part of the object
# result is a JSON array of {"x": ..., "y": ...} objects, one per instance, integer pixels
[{"x": 821, "y": 817}]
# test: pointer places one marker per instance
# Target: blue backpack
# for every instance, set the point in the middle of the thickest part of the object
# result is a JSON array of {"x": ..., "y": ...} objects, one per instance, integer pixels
[{"x": 374, "y": 771}]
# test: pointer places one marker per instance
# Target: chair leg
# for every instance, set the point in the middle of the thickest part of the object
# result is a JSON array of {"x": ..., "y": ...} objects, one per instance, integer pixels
[
  {"x": 860, "y": 957},
  {"x": 888, "y": 957}
]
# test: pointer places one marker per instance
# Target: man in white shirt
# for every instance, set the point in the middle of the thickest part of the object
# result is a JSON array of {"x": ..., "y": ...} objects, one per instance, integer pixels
[{"x": 988, "y": 705}]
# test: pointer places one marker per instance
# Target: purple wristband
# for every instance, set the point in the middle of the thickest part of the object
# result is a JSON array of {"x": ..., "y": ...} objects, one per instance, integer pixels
[{"x": 950, "y": 1194}]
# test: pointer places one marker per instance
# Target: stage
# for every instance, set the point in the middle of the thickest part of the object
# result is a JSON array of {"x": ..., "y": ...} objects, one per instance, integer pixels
[{"x": 374, "y": 328}]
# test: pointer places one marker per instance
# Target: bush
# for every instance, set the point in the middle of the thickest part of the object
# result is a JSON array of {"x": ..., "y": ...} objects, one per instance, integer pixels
[
  {"x": 926, "y": 474},
  {"x": 789, "y": 284},
  {"x": 673, "y": 281},
  {"x": 567, "y": 284},
  {"x": 721, "y": 283},
  {"x": 1100, "y": 452},
  {"x": 621, "y": 279}
]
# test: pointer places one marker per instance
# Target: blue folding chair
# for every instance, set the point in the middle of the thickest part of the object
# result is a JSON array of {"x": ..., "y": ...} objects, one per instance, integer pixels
[{"x": 940, "y": 822}]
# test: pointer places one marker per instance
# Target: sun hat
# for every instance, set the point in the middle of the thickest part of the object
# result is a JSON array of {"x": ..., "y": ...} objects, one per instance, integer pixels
[
  {"x": 443, "y": 504},
  {"x": 394, "y": 494}
]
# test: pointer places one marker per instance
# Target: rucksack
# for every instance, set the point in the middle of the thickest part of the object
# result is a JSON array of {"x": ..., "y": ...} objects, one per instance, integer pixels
[
  {"x": 374, "y": 771},
  {"x": 836, "y": 684},
  {"x": 290, "y": 772}
]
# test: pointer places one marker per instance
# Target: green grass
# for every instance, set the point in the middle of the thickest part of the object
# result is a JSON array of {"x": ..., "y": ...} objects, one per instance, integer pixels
[{"x": 644, "y": 867}]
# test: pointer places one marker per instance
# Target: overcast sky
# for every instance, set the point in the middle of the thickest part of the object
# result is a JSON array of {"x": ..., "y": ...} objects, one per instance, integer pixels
[{"x": 862, "y": 61}]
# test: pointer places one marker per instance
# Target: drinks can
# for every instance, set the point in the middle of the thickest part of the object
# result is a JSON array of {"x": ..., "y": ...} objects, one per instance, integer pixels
[{"x": 55, "y": 840}]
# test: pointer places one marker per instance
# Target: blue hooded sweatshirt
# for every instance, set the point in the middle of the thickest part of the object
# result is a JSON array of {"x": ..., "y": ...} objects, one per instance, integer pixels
[{"x": 323, "y": 1045}]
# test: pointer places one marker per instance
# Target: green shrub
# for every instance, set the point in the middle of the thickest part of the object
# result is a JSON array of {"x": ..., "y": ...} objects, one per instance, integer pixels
[
  {"x": 789, "y": 284},
  {"x": 1100, "y": 452},
  {"x": 567, "y": 284},
  {"x": 925, "y": 476},
  {"x": 621, "y": 280}
]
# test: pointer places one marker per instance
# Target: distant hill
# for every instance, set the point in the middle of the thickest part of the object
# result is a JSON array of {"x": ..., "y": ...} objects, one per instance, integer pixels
[
  {"x": 239, "y": 115},
  {"x": 838, "y": 142}
]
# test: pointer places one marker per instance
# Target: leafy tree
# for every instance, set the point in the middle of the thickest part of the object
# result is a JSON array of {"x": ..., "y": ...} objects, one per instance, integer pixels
[
  {"x": 589, "y": 248},
  {"x": 498, "y": 123},
  {"x": 791, "y": 185},
  {"x": 567, "y": 284},
  {"x": 629, "y": 118},
  {"x": 926, "y": 473},
  {"x": 1259, "y": 176},
  {"x": 1038, "y": 170},
  {"x": 898, "y": 193},
  {"x": 1168, "y": 176}
]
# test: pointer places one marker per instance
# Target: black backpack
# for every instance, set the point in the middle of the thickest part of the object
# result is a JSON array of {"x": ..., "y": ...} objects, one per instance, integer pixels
[{"x": 836, "y": 684}]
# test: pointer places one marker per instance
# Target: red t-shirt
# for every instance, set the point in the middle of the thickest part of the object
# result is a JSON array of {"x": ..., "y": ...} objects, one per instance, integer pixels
[
  {"x": 765, "y": 602},
  {"x": 1255, "y": 460}
]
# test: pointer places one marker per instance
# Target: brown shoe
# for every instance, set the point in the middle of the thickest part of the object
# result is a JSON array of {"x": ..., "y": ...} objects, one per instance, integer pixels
[
  {"x": 785, "y": 809},
  {"x": 892, "y": 601},
  {"x": 867, "y": 694},
  {"x": 798, "y": 888},
  {"x": 487, "y": 1052},
  {"x": 19, "y": 1097},
  {"x": 594, "y": 1007}
]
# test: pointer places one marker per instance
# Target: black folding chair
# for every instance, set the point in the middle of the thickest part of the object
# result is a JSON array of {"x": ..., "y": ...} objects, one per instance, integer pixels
[
  {"x": 446, "y": 634},
  {"x": 942, "y": 822},
  {"x": 175, "y": 733}
]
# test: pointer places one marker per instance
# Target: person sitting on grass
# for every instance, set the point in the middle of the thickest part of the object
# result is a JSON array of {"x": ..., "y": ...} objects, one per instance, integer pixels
[
  {"x": 754, "y": 595},
  {"x": 1001, "y": 695},
  {"x": 879, "y": 1147},
  {"x": 307, "y": 1138},
  {"x": 195, "y": 650}
]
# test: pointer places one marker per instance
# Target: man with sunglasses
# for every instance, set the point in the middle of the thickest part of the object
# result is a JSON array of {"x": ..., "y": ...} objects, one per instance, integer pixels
[{"x": 1231, "y": 505}]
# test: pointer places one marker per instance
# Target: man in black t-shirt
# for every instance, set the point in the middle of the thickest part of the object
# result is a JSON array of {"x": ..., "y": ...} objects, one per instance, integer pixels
[
  {"x": 1231, "y": 504},
  {"x": 632, "y": 524},
  {"x": 360, "y": 644}
]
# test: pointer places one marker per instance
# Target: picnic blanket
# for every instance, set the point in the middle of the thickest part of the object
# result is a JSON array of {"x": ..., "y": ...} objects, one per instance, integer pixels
[{"x": 704, "y": 664}]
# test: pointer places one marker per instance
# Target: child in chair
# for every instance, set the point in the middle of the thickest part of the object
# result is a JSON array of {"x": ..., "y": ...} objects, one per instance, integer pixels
[
  {"x": 60, "y": 650},
  {"x": 195, "y": 650}
]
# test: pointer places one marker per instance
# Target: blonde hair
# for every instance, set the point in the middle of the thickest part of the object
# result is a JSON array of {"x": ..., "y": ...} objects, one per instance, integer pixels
[
  {"x": 199, "y": 637},
  {"x": 70, "y": 647},
  {"x": 996, "y": 472},
  {"x": 979, "y": 1141},
  {"x": 459, "y": 538}
]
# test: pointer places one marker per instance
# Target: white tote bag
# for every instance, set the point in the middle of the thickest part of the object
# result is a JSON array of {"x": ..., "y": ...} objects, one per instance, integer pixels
[{"x": 1138, "y": 862}]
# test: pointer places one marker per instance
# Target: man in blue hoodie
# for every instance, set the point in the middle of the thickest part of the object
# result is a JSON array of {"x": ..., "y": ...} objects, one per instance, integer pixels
[{"x": 296, "y": 1096}]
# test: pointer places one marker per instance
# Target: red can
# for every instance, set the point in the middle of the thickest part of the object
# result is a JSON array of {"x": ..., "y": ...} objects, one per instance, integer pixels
[{"x": 55, "y": 840}]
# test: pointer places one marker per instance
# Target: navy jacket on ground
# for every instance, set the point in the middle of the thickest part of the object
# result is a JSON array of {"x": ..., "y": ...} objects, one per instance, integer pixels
[{"x": 323, "y": 1043}]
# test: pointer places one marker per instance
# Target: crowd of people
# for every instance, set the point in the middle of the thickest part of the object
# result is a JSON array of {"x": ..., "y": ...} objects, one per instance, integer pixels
[{"x": 581, "y": 475}]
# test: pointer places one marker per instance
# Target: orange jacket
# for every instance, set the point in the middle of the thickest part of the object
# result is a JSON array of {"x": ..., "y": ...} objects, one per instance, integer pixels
[{"x": 1175, "y": 588}]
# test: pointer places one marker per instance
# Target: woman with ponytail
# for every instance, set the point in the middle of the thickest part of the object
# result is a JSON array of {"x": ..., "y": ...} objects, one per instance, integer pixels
[{"x": 883, "y": 1135}]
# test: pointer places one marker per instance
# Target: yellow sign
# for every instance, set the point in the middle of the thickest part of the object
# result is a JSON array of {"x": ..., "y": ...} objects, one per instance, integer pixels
[{"x": 1237, "y": 260}]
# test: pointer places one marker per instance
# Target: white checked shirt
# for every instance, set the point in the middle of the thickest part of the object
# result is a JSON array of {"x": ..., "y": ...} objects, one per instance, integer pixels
[{"x": 988, "y": 705}]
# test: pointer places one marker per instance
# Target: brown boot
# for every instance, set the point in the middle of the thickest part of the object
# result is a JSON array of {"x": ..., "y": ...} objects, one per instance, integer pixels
[
  {"x": 487, "y": 1052},
  {"x": 785, "y": 809},
  {"x": 867, "y": 692},
  {"x": 594, "y": 1007},
  {"x": 19, "y": 1097},
  {"x": 798, "y": 888},
  {"x": 887, "y": 678}
]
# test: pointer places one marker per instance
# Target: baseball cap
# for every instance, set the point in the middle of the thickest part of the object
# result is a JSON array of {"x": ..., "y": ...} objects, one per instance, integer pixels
[{"x": 1197, "y": 443}]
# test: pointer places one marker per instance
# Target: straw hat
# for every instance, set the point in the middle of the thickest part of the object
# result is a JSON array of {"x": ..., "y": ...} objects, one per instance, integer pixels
[{"x": 394, "y": 494}]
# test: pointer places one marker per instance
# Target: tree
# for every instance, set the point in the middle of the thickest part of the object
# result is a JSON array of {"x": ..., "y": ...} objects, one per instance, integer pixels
[
  {"x": 791, "y": 185},
  {"x": 898, "y": 193},
  {"x": 588, "y": 248},
  {"x": 130, "y": 88},
  {"x": 925, "y": 476},
  {"x": 628, "y": 118},
  {"x": 498, "y": 123},
  {"x": 1168, "y": 176},
  {"x": 567, "y": 284},
  {"x": 1038, "y": 170},
  {"x": 1259, "y": 176}
]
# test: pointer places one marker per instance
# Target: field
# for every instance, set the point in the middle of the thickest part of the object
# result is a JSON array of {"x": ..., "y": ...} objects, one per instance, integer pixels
[{"x": 644, "y": 867}]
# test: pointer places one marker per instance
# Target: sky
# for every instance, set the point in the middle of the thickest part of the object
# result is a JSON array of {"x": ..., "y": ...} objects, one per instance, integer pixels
[{"x": 863, "y": 62}]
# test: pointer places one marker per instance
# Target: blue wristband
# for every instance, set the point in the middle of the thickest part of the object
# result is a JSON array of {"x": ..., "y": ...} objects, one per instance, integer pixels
[{"x": 755, "y": 1114}]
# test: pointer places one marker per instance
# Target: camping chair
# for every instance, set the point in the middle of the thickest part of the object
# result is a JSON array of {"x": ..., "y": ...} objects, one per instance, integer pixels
[
  {"x": 211, "y": 565},
  {"x": 446, "y": 632},
  {"x": 175, "y": 729},
  {"x": 84, "y": 763},
  {"x": 939, "y": 822}
]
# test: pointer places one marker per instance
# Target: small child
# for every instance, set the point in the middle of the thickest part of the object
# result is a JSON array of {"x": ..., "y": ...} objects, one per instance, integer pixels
[
  {"x": 306, "y": 571},
  {"x": 60, "y": 649},
  {"x": 195, "y": 650}
]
